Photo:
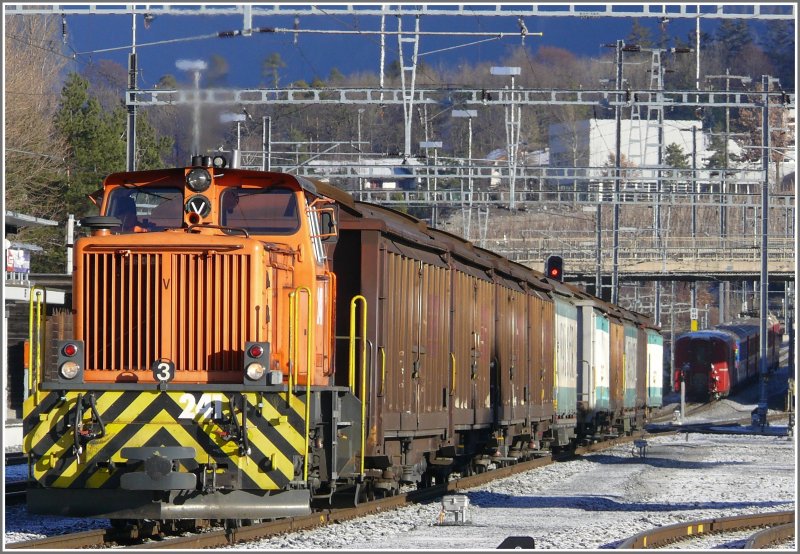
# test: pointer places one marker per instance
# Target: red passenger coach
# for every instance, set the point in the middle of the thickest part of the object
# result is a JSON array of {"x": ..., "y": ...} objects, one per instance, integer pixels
[
  {"x": 705, "y": 359},
  {"x": 716, "y": 361}
]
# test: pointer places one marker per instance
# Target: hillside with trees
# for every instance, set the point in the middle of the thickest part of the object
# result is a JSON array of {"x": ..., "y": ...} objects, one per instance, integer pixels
[{"x": 65, "y": 121}]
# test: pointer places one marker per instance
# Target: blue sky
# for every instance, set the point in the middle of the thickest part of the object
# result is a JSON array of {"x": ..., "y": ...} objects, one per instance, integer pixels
[{"x": 315, "y": 54}]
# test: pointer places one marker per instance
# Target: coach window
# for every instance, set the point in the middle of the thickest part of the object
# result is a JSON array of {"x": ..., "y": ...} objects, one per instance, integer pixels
[
  {"x": 260, "y": 211},
  {"x": 146, "y": 209}
]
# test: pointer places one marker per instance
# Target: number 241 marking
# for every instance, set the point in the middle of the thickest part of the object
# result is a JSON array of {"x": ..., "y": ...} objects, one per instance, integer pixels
[{"x": 208, "y": 406}]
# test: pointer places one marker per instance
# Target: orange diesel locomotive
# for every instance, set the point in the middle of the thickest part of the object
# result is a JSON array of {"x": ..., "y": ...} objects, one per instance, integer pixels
[{"x": 198, "y": 381}]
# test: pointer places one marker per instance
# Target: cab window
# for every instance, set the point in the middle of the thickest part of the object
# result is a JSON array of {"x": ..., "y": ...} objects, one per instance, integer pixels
[
  {"x": 260, "y": 211},
  {"x": 146, "y": 209}
]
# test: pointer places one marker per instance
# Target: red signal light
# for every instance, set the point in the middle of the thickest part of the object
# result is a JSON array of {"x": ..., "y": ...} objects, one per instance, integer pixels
[
  {"x": 554, "y": 268},
  {"x": 256, "y": 351},
  {"x": 70, "y": 349}
]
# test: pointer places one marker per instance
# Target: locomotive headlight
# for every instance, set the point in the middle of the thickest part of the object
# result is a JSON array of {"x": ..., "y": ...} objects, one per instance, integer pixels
[
  {"x": 69, "y": 370},
  {"x": 255, "y": 371},
  {"x": 198, "y": 179}
]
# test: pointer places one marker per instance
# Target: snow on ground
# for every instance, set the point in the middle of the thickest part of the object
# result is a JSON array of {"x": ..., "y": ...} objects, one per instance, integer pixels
[{"x": 591, "y": 503}]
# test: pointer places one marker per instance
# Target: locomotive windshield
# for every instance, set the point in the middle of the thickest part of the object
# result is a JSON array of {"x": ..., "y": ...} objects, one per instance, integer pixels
[
  {"x": 260, "y": 211},
  {"x": 700, "y": 352},
  {"x": 146, "y": 209}
]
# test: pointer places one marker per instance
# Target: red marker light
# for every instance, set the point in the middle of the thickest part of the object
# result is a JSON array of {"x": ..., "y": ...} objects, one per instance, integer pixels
[
  {"x": 256, "y": 351},
  {"x": 70, "y": 349},
  {"x": 554, "y": 272}
]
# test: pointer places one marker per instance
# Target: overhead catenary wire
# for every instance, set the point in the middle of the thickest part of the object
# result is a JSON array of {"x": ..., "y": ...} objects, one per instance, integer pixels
[
  {"x": 28, "y": 152},
  {"x": 276, "y": 30}
]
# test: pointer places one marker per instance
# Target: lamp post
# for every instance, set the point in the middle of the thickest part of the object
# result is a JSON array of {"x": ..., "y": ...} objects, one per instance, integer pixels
[
  {"x": 238, "y": 118},
  {"x": 266, "y": 143},
  {"x": 469, "y": 114},
  {"x": 195, "y": 66}
]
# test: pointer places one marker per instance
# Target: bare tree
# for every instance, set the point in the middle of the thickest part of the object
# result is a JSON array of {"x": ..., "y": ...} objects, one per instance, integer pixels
[{"x": 34, "y": 151}]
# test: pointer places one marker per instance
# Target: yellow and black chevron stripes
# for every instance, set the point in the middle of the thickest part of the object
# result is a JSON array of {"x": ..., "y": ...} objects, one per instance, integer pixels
[{"x": 203, "y": 421}]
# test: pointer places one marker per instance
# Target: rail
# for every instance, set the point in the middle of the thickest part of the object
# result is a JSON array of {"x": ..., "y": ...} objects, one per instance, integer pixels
[
  {"x": 661, "y": 536},
  {"x": 216, "y": 539},
  {"x": 15, "y": 492},
  {"x": 770, "y": 536}
]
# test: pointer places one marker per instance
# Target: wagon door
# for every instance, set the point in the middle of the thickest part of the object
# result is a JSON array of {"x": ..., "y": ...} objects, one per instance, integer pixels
[
  {"x": 541, "y": 388},
  {"x": 511, "y": 354},
  {"x": 617, "y": 368},
  {"x": 566, "y": 359},
  {"x": 629, "y": 375},
  {"x": 601, "y": 361},
  {"x": 655, "y": 368},
  {"x": 472, "y": 334},
  {"x": 641, "y": 367},
  {"x": 417, "y": 331}
]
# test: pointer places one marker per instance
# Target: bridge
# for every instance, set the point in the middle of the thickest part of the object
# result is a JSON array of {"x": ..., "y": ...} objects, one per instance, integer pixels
[{"x": 641, "y": 259}]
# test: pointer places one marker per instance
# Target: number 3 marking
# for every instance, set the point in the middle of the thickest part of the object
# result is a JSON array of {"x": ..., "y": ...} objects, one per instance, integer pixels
[{"x": 163, "y": 370}]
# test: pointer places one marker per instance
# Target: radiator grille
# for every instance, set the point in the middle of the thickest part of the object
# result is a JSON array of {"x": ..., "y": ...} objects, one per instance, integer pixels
[{"x": 190, "y": 308}]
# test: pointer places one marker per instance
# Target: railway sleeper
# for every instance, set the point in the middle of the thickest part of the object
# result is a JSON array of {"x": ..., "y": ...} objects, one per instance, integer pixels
[{"x": 138, "y": 529}]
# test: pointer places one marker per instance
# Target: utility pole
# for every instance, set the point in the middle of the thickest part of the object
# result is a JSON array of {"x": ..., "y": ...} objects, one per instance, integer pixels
[
  {"x": 598, "y": 278},
  {"x": 694, "y": 222},
  {"x": 617, "y": 176},
  {"x": 70, "y": 242},
  {"x": 760, "y": 418},
  {"x": 466, "y": 212},
  {"x": 131, "y": 128},
  {"x": 659, "y": 183},
  {"x": 408, "y": 84},
  {"x": 513, "y": 114}
]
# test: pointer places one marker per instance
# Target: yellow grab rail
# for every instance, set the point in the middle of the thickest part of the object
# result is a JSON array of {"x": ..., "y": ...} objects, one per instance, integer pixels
[
  {"x": 292, "y": 340},
  {"x": 309, "y": 367},
  {"x": 382, "y": 350},
  {"x": 37, "y": 307},
  {"x": 352, "y": 358},
  {"x": 453, "y": 369},
  {"x": 352, "y": 366}
]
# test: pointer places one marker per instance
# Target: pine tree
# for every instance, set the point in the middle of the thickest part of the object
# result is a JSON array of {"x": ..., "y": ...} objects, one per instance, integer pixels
[
  {"x": 218, "y": 69},
  {"x": 270, "y": 67},
  {"x": 779, "y": 47},
  {"x": 639, "y": 35},
  {"x": 675, "y": 157},
  {"x": 733, "y": 35},
  {"x": 96, "y": 141}
]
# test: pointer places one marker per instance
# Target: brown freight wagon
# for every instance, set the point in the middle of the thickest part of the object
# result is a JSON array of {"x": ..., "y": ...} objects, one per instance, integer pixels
[{"x": 405, "y": 278}]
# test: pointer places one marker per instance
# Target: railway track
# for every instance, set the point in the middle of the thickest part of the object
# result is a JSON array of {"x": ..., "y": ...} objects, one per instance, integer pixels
[
  {"x": 15, "y": 492},
  {"x": 224, "y": 537},
  {"x": 16, "y": 458},
  {"x": 780, "y": 527}
]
